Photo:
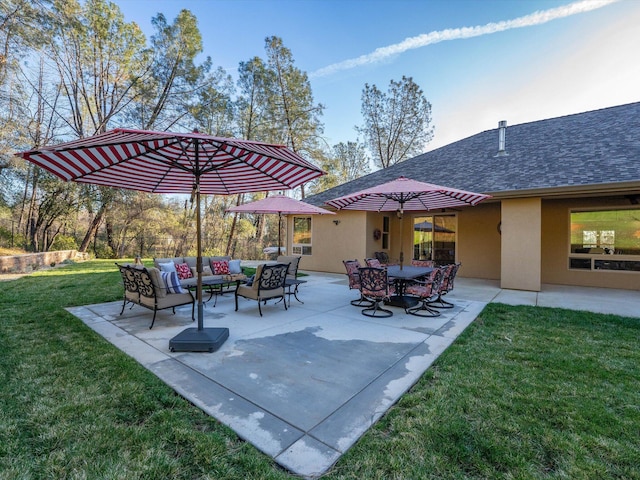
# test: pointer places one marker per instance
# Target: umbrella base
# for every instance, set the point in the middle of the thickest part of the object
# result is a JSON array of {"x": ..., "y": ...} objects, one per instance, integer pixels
[{"x": 194, "y": 340}]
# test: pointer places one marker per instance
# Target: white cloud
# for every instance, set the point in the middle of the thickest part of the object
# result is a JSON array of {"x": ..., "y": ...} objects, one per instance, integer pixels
[
  {"x": 536, "y": 18},
  {"x": 596, "y": 72}
]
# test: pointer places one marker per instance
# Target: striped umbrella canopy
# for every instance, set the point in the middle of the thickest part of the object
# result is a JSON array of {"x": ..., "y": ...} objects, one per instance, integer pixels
[
  {"x": 282, "y": 205},
  {"x": 406, "y": 194},
  {"x": 166, "y": 162}
]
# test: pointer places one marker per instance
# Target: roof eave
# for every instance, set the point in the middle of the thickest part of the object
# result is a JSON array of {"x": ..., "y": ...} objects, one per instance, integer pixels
[{"x": 570, "y": 191}]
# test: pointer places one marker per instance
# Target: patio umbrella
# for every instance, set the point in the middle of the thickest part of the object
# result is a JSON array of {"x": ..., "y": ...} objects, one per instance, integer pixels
[
  {"x": 165, "y": 162},
  {"x": 406, "y": 194},
  {"x": 282, "y": 205}
]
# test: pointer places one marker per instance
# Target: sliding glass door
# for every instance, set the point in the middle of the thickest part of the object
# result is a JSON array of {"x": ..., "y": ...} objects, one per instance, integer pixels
[{"x": 434, "y": 238}]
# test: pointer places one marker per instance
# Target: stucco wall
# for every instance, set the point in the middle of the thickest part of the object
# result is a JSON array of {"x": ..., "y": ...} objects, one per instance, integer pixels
[
  {"x": 556, "y": 247},
  {"x": 521, "y": 224},
  {"x": 478, "y": 245},
  {"x": 331, "y": 243},
  {"x": 478, "y": 241}
]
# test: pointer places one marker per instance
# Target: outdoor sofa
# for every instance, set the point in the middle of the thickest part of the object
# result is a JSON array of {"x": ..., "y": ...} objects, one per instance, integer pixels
[{"x": 214, "y": 267}]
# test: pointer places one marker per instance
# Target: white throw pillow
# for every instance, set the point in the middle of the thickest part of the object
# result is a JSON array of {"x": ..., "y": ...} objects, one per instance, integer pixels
[
  {"x": 234, "y": 266},
  {"x": 168, "y": 267}
]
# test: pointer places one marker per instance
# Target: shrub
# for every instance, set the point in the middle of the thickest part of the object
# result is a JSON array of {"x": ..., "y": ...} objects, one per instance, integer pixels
[{"x": 64, "y": 242}]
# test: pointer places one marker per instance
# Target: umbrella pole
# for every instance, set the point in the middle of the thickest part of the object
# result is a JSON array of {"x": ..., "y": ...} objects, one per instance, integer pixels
[
  {"x": 199, "y": 339},
  {"x": 199, "y": 257},
  {"x": 279, "y": 230},
  {"x": 401, "y": 238}
]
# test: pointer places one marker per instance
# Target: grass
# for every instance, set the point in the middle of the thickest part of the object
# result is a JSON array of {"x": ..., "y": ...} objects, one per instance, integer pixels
[{"x": 524, "y": 392}]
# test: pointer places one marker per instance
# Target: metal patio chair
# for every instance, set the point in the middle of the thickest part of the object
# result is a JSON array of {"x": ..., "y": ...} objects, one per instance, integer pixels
[
  {"x": 375, "y": 287},
  {"x": 446, "y": 287},
  {"x": 352, "y": 267},
  {"x": 426, "y": 290}
]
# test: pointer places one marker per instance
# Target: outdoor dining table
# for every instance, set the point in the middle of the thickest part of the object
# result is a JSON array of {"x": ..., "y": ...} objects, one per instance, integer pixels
[{"x": 401, "y": 276}]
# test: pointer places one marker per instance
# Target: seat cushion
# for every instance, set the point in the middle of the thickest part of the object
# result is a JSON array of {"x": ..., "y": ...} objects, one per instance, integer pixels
[
  {"x": 206, "y": 271},
  {"x": 294, "y": 263},
  {"x": 247, "y": 291},
  {"x": 250, "y": 292},
  {"x": 158, "y": 283},
  {"x": 175, "y": 299}
]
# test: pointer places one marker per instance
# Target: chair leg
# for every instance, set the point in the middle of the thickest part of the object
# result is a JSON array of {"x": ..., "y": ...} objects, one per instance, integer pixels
[
  {"x": 362, "y": 302},
  {"x": 154, "y": 318},
  {"x": 371, "y": 311},
  {"x": 440, "y": 303},
  {"x": 260, "y": 307},
  {"x": 422, "y": 306}
]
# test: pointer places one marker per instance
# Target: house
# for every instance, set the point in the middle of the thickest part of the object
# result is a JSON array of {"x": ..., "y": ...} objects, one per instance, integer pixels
[{"x": 565, "y": 206}]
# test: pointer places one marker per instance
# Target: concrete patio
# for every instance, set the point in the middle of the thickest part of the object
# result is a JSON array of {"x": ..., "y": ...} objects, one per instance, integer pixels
[{"x": 303, "y": 385}]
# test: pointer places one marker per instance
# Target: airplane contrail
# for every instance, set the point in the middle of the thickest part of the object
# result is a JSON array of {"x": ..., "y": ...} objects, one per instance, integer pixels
[{"x": 536, "y": 18}]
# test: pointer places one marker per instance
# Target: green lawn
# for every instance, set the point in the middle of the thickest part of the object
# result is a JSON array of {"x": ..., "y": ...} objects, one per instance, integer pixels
[{"x": 523, "y": 393}]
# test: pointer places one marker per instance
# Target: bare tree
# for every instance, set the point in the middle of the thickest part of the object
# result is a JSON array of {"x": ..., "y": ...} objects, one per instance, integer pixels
[{"x": 397, "y": 125}]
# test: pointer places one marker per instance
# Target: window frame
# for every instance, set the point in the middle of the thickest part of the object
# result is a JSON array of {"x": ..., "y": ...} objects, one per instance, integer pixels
[
  {"x": 304, "y": 249},
  {"x": 617, "y": 262},
  {"x": 433, "y": 246},
  {"x": 386, "y": 233}
]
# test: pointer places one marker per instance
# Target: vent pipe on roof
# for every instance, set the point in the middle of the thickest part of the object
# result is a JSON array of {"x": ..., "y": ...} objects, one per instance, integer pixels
[{"x": 502, "y": 138}]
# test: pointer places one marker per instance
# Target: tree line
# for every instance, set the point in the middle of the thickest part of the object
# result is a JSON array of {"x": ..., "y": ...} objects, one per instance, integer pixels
[{"x": 70, "y": 70}]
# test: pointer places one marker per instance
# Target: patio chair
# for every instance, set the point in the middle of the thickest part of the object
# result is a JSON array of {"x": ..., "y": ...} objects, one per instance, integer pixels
[
  {"x": 375, "y": 287},
  {"x": 268, "y": 283},
  {"x": 447, "y": 285},
  {"x": 423, "y": 263},
  {"x": 425, "y": 290},
  {"x": 353, "y": 275},
  {"x": 373, "y": 263},
  {"x": 383, "y": 258},
  {"x": 145, "y": 287},
  {"x": 292, "y": 283}
]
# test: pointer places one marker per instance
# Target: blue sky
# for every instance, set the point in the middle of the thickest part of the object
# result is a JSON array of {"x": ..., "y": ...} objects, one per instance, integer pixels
[{"x": 477, "y": 61}]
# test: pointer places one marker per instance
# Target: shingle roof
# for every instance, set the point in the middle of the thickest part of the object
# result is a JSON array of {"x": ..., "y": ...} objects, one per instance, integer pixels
[{"x": 591, "y": 148}]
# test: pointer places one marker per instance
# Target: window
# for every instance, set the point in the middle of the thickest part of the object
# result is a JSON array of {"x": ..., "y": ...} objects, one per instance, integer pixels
[
  {"x": 301, "y": 236},
  {"x": 434, "y": 238},
  {"x": 597, "y": 235},
  {"x": 385, "y": 233}
]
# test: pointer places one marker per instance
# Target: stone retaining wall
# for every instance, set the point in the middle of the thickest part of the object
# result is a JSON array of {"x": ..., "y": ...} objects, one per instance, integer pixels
[{"x": 30, "y": 262}]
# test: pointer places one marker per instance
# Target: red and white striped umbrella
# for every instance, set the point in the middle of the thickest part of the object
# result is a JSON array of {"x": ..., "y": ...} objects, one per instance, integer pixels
[
  {"x": 166, "y": 162},
  {"x": 282, "y": 205},
  {"x": 406, "y": 194}
]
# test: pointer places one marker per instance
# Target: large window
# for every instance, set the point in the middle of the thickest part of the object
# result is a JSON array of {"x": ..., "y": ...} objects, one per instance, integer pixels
[
  {"x": 301, "y": 236},
  {"x": 600, "y": 239},
  {"x": 434, "y": 238}
]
